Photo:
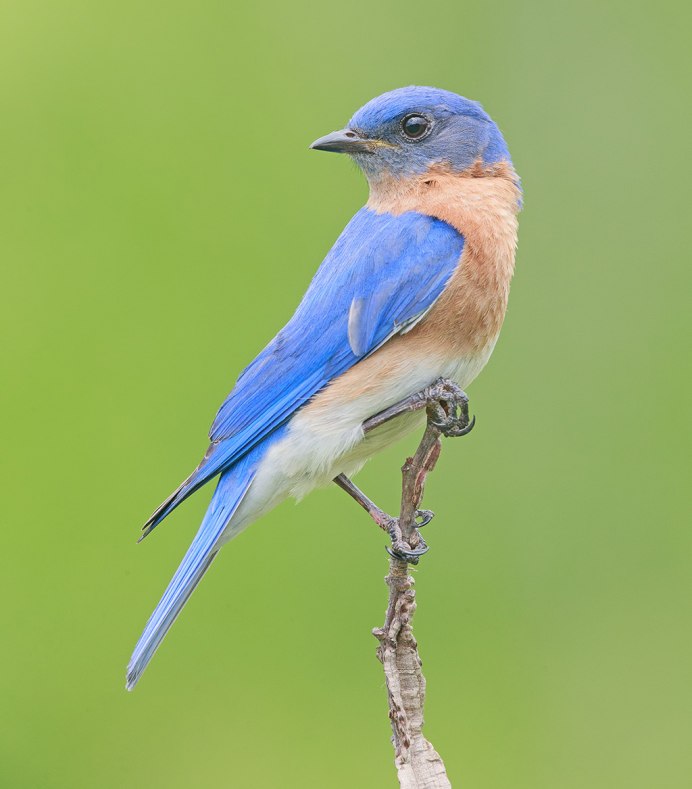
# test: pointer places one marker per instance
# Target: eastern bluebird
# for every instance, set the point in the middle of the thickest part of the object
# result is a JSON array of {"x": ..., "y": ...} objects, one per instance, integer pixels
[{"x": 414, "y": 289}]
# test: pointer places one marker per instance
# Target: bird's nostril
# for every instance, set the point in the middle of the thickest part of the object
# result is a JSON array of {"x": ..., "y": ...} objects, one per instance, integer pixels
[{"x": 350, "y": 134}]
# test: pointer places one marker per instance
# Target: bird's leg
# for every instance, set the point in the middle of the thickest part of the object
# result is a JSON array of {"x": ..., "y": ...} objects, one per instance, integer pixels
[
  {"x": 379, "y": 516},
  {"x": 447, "y": 408},
  {"x": 446, "y": 403},
  {"x": 387, "y": 522}
]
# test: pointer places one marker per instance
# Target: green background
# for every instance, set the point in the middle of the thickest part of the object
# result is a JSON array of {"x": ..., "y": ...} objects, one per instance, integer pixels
[{"x": 160, "y": 218}]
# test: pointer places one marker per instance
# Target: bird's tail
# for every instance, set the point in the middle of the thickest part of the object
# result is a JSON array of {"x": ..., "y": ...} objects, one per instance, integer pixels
[{"x": 230, "y": 491}]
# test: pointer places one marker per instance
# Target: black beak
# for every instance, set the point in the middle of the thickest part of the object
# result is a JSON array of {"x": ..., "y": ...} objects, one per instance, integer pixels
[{"x": 344, "y": 141}]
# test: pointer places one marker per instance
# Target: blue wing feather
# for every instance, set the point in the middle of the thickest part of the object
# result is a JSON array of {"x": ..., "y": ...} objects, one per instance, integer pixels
[{"x": 384, "y": 272}]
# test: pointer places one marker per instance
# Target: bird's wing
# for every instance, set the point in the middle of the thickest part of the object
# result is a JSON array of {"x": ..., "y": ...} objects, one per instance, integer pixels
[{"x": 382, "y": 274}]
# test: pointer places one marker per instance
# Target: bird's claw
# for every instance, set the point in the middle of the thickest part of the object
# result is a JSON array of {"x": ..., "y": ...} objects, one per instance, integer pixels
[
  {"x": 400, "y": 548},
  {"x": 453, "y": 427},
  {"x": 425, "y": 517},
  {"x": 448, "y": 409},
  {"x": 402, "y": 551}
]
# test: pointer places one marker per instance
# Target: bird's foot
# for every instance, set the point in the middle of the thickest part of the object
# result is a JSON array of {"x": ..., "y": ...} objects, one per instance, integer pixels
[
  {"x": 412, "y": 549},
  {"x": 384, "y": 521},
  {"x": 448, "y": 409},
  {"x": 407, "y": 550}
]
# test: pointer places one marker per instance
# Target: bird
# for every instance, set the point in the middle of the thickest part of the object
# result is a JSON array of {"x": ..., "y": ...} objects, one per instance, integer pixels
[{"x": 414, "y": 290}]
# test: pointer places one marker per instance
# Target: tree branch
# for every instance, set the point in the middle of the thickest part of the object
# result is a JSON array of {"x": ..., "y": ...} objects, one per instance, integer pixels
[{"x": 418, "y": 764}]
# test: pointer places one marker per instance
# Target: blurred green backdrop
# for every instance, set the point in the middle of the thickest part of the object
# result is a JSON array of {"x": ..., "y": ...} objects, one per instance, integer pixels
[{"x": 160, "y": 218}]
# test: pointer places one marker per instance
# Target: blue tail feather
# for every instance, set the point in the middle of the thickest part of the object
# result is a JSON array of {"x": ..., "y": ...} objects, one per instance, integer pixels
[{"x": 230, "y": 491}]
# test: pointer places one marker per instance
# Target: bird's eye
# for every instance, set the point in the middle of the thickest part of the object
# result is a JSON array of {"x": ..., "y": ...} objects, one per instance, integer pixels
[{"x": 415, "y": 126}]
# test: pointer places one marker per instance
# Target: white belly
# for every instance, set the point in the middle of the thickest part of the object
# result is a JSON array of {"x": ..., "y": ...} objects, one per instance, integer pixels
[{"x": 322, "y": 443}]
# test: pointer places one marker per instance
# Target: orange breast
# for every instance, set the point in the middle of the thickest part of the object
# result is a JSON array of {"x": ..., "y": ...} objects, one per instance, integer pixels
[{"x": 482, "y": 205}]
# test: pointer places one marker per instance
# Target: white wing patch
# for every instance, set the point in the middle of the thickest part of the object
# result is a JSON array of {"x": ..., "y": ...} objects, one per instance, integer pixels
[{"x": 355, "y": 313}]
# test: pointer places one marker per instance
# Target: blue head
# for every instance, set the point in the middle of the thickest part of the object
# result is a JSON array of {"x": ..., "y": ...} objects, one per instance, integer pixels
[{"x": 407, "y": 131}]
